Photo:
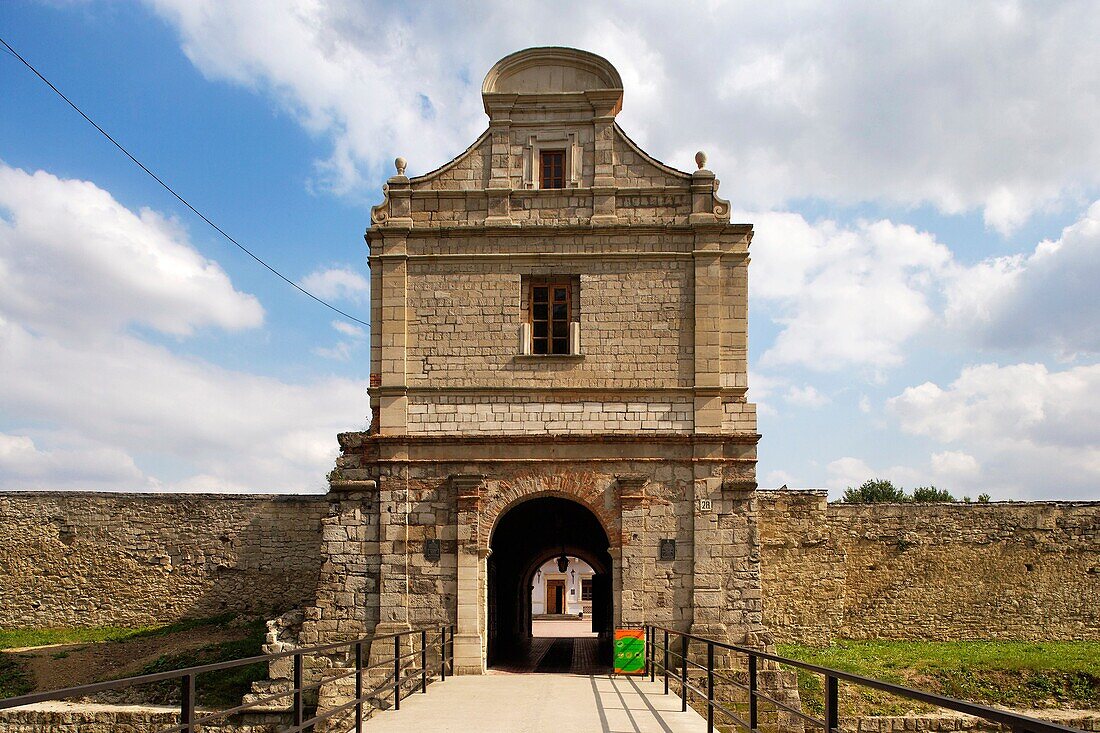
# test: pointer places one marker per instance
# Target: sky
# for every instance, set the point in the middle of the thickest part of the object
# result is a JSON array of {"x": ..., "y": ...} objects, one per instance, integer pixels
[{"x": 923, "y": 178}]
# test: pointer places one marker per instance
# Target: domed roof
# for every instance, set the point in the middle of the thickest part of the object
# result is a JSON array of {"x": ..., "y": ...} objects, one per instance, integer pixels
[{"x": 551, "y": 70}]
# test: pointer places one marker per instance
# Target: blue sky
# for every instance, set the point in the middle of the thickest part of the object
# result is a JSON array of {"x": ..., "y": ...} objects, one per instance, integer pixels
[{"x": 922, "y": 184}]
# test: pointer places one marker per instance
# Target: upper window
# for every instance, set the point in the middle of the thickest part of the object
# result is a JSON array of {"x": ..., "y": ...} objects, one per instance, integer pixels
[
  {"x": 552, "y": 169},
  {"x": 586, "y": 589},
  {"x": 550, "y": 309}
]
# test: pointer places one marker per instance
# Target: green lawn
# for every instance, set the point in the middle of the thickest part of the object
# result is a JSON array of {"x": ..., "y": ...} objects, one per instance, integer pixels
[
  {"x": 1015, "y": 674},
  {"x": 220, "y": 688},
  {"x": 19, "y": 638}
]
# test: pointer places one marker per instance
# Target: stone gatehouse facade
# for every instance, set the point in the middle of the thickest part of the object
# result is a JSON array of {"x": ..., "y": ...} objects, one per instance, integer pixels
[{"x": 558, "y": 362}]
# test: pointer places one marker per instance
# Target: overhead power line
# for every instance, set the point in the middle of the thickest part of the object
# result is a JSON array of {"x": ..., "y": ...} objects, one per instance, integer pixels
[{"x": 172, "y": 191}]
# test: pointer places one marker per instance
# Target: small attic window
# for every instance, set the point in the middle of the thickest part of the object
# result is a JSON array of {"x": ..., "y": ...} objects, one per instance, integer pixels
[{"x": 552, "y": 169}]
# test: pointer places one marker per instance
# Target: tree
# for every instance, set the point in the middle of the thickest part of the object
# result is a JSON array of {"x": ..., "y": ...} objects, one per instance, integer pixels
[
  {"x": 931, "y": 495},
  {"x": 875, "y": 491},
  {"x": 983, "y": 498}
]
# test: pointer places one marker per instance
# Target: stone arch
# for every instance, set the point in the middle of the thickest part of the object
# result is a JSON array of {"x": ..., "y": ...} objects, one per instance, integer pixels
[{"x": 593, "y": 491}]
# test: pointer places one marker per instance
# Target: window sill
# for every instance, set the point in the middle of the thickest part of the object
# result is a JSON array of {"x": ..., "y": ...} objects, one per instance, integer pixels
[{"x": 540, "y": 357}]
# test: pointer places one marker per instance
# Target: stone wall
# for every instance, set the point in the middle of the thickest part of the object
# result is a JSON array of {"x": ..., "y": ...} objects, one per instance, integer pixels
[
  {"x": 1024, "y": 570},
  {"x": 929, "y": 571},
  {"x": 86, "y": 717},
  {"x": 635, "y": 316},
  {"x": 84, "y": 559}
]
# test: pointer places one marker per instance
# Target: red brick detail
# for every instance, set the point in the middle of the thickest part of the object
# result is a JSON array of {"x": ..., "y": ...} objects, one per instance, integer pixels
[{"x": 587, "y": 488}]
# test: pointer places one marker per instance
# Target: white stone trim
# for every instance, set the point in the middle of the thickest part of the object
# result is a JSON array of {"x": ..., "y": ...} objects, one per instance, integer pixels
[{"x": 556, "y": 140}]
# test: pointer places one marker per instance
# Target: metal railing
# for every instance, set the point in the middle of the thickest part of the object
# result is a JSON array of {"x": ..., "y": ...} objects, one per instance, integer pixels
[
  {"x": 658, "y": 656},
  {"x": 191, "y": 720}
]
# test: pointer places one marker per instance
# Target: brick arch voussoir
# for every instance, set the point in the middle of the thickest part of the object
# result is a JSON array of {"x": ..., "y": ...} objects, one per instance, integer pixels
[{"x": 586, "y": 488}]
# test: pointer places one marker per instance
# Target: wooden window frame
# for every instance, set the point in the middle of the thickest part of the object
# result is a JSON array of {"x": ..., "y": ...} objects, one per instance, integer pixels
[
  {"x": 586, "y": 583},
  {"x": 546, "y": 183},
  {"x": 551, "y": 284}
]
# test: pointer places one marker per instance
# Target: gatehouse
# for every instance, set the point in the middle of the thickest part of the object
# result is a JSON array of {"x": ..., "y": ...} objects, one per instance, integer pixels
[{"x": 557, "y": 370}]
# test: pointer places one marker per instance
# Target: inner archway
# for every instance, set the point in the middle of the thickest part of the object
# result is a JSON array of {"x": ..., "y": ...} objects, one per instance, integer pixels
[{"x": 525, "y": 538}]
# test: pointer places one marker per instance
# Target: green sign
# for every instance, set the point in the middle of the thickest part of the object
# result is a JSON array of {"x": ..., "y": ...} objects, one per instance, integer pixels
[{"x": 629, "y": 651}]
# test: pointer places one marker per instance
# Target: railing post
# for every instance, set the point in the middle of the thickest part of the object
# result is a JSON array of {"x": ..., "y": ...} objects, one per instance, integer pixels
[
  {"x": 666, "y": 662},
  {"x": 397, "y": 672},
  {"x": 752, "y": 691},
  {"x": 652, "y": 653},
  {"x": 299, "y": 708},
  {"x": 423, "y": 660},
  {"x": 683, "y": 673},
  {"x": 442, "y": 653},
  {"x": 358, "y": 687},
  {"x": 710, "y": 687},
  {"x": 187, "y": 703},
  {"x": 832, "y": 717}
]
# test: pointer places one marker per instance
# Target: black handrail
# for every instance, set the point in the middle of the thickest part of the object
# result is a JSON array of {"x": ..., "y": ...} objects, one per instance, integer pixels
[
  {"x": 189, "y": 723},
  {"x": 658, "y": 659}
]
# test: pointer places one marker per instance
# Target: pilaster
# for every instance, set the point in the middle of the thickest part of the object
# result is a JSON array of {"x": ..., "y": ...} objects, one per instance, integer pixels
[{"x": 469, "y": 643}]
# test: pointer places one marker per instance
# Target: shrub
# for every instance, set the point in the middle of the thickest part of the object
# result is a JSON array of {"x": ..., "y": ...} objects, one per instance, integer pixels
[
  {"x": 983, "y": 498},
  {"x": 930, "y": 495},
  {"x": 875, "y": 491}
]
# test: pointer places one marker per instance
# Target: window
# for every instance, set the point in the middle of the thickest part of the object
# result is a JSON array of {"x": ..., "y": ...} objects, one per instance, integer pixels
[
  {"x": 550, "y": 308},
  {"x": 552, "y": 169},
  {"x": 586, "y": 589}
]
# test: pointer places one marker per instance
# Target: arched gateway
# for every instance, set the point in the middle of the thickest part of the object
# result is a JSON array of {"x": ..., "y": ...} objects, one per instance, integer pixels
[{"x": 558, "y": 361}]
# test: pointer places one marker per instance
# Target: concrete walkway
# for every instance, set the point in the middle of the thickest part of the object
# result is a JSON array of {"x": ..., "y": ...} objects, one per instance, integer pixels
[{"x": 544, "y": 703}]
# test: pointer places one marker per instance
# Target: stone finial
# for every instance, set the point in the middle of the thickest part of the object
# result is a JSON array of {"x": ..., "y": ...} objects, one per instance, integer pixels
[
  {"x": 400, "y": 163},
  {"x": 701, "y": 159}
]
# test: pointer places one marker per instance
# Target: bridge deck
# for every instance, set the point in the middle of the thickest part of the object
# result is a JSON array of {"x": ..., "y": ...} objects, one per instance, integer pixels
[{"x": 540, "y": 703}]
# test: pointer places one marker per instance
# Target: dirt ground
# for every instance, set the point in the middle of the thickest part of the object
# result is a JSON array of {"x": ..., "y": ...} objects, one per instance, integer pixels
[{"x": 69, "y": 665}]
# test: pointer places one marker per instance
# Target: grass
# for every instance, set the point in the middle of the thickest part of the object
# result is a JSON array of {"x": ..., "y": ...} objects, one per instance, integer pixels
[
  {"x": 18, "y": 638},
  {"x": 221, "y": 688},
  {"x": 14, "y": 679},
  {"x": 1015, "y": 674}
]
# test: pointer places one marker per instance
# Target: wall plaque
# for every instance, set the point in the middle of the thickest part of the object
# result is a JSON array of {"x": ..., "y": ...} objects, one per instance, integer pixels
[
  {"x": 668, "y": 550},
  {"x": 431, "y": 550}
]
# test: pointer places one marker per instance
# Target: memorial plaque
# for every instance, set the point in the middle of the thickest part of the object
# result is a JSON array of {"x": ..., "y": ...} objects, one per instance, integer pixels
[
  {"x": 431, "y": 550},
  {"x": 668, "y": 550}
]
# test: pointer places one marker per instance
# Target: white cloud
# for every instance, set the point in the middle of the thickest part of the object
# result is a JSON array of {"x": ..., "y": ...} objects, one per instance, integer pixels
[
  {"x": 806, "y": 396},
  {"x": 74, "y": 260},
  {"x": 946, "y": 104},
  {"x": 337, "y": 283},
  {"x": 865, "y": 404},
  {"x": 762, "y": 389},
  {"x": 349, "y": 330},
  {"x": 1046, "y": 299},
  {"x": 848, "y": 471},
  {"x": 23, "y": 465},
  {"x": 843, "y": 296},
  {"x": 776, "y": 479},
  {"x": 342, "y": 350},
  {"x": 947, "y": 470},
  {"x": 1029, "y": 431},
  {"x": 955, "y": 467},
  {"x": 141, "y": 399},
  {"x": 76, "y": 270}
]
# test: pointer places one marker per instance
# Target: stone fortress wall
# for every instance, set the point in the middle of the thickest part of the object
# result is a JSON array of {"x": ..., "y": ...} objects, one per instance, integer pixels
[
  {"x": 940, "y": 571},
  {"x": 928, "y": 571},
  {"x": 98, "y": 559}
]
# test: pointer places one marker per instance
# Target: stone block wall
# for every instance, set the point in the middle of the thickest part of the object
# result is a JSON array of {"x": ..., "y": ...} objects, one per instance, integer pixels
[
  {"x": 525, "y": 414},
  {"x": 929, "y": 571},
  {"x": 636, "y": 325},
  {"x": 84, "y": 559}
]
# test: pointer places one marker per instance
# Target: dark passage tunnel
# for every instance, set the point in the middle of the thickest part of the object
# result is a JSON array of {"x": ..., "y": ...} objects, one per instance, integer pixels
[{"x": 526, "y": 536}]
